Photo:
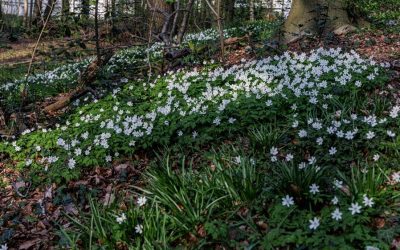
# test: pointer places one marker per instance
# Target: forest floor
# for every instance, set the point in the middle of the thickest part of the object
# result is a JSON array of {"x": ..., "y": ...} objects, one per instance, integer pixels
[{"x": 21, "y": 201}]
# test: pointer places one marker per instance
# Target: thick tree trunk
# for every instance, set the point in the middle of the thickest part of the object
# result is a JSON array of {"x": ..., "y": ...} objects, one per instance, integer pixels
[
  {"x": 338, "y": 18},
  {"x": 313, "y": 17}
]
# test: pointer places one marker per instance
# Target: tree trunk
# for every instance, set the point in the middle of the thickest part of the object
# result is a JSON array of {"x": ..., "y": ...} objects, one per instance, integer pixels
[
  {"x": 113, "y": 10},
  {"x": 37, "y": 12},
  {"x": 174, "y": 27},
  {"x": 217, "y": 12},
  {"x": 229, "y": 11},
  {"x": 313, "y": 17},
  {"x": 64, "y": 9},
  {"x": 1, "y": 18},
  {"x": 251, "y": 6},
  {"x": 49, "y": 8},
  {"x": 85, "y": 9},
  {"x": 26, "y": 7},
  {"x": 96, "y": 29},
  {"x": 160, "y": 11},
  {"x": 185, "y": 20},
  {"x": 31, "y": 4}
]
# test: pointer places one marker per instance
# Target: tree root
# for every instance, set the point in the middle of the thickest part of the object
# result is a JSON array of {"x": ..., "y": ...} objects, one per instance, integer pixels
[{"x": 344, "y": 29}]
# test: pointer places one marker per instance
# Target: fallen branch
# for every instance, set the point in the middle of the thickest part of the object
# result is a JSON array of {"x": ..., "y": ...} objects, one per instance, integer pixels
[
  {"x": 175, "y": 54},
  {"x": 66, "y": 100},
  {"x": 86, "y": 78}
]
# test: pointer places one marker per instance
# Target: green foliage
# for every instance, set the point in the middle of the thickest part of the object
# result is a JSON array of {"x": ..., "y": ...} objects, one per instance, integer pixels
[
  {"x": 191, "y": 197},
  {"x": 384, "y": 14},
  {"x": 367, "y": 180},
  {"x": 272, "y": 141},
  {"x": 100, "y": 228}
]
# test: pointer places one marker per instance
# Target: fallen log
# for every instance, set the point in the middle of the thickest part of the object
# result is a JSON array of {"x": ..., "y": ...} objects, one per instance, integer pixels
[
  {"x": 64, "y": 101},
  {"x": 87, "y": 77},
  {"x": 175, "y": 54},
  {"x": 90, "y": 73}
]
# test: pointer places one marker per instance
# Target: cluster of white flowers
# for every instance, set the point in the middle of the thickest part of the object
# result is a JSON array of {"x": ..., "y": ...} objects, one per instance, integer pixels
[
  {"x": 213, "y": 34},
  {"x": 141, "y": 201},
  {"x": 272, "y": 79},
  {"x": 61, "y": 74},
  {"x": 122, "y": 60},
  {"x": 355, "y": 208}
]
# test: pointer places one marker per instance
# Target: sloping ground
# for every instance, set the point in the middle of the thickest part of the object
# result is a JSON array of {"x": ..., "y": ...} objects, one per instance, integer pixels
[
  {"x": 313, "y": 142},
  {"x": 310, "y": 138}
]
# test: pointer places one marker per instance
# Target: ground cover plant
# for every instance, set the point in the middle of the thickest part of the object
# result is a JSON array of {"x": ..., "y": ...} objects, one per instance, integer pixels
[
  {"x": 198, "y": 124},
  {"x": 294, "y": 150},
  {"x": 126, "y": 63}
]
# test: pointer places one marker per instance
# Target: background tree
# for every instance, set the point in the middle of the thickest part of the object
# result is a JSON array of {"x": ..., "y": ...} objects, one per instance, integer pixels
[
  {"x": 1, "y": 11},
  {"x": 26, "y": 8},
  {"x": 185, "y": 20},
  {"x": 85, "y": 9},
  {"x": 251, "y": 10},
  {"x": 229, "y": 7},
  {"x": 161, "y": 18},
  {"x": 49, "y": 8},
  {"x": 37, "y": 12}
]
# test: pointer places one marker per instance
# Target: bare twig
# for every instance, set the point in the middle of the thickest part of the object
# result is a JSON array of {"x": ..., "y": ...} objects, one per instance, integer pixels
[{"x": 24, "y": 91}]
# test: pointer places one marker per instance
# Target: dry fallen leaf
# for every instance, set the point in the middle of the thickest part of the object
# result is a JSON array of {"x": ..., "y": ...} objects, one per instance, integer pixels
[
  {"x": 28, "y": 244},
  {"x": 201, "y": 231},
  {"x": 109, "y": 197},
  {"x": 261, "y": 224}
]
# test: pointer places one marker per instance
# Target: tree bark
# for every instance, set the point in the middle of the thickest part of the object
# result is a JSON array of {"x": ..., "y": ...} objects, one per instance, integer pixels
[
  {"x": 251, "y": 10},
  {"x": 313, "y": 17},
  {"x": 217, "y": 12},
  {"x": 160, "y": 10},
  {"x": 185, "y": 20},
  {"x": 174, "y": 27},
  {"x": 85, "y": 9},
  {"x": 229, "y": 11},
  {"x": 26, "y": 13},
  {"x": 96, "y": 27},
  {"x": 49, "y": 8},
  {"x": 88, "y": 76},
  {"x": 37, "y": 12},
  {"x": 1, "y": 12},
  {"x": 64, "y": 9}
]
